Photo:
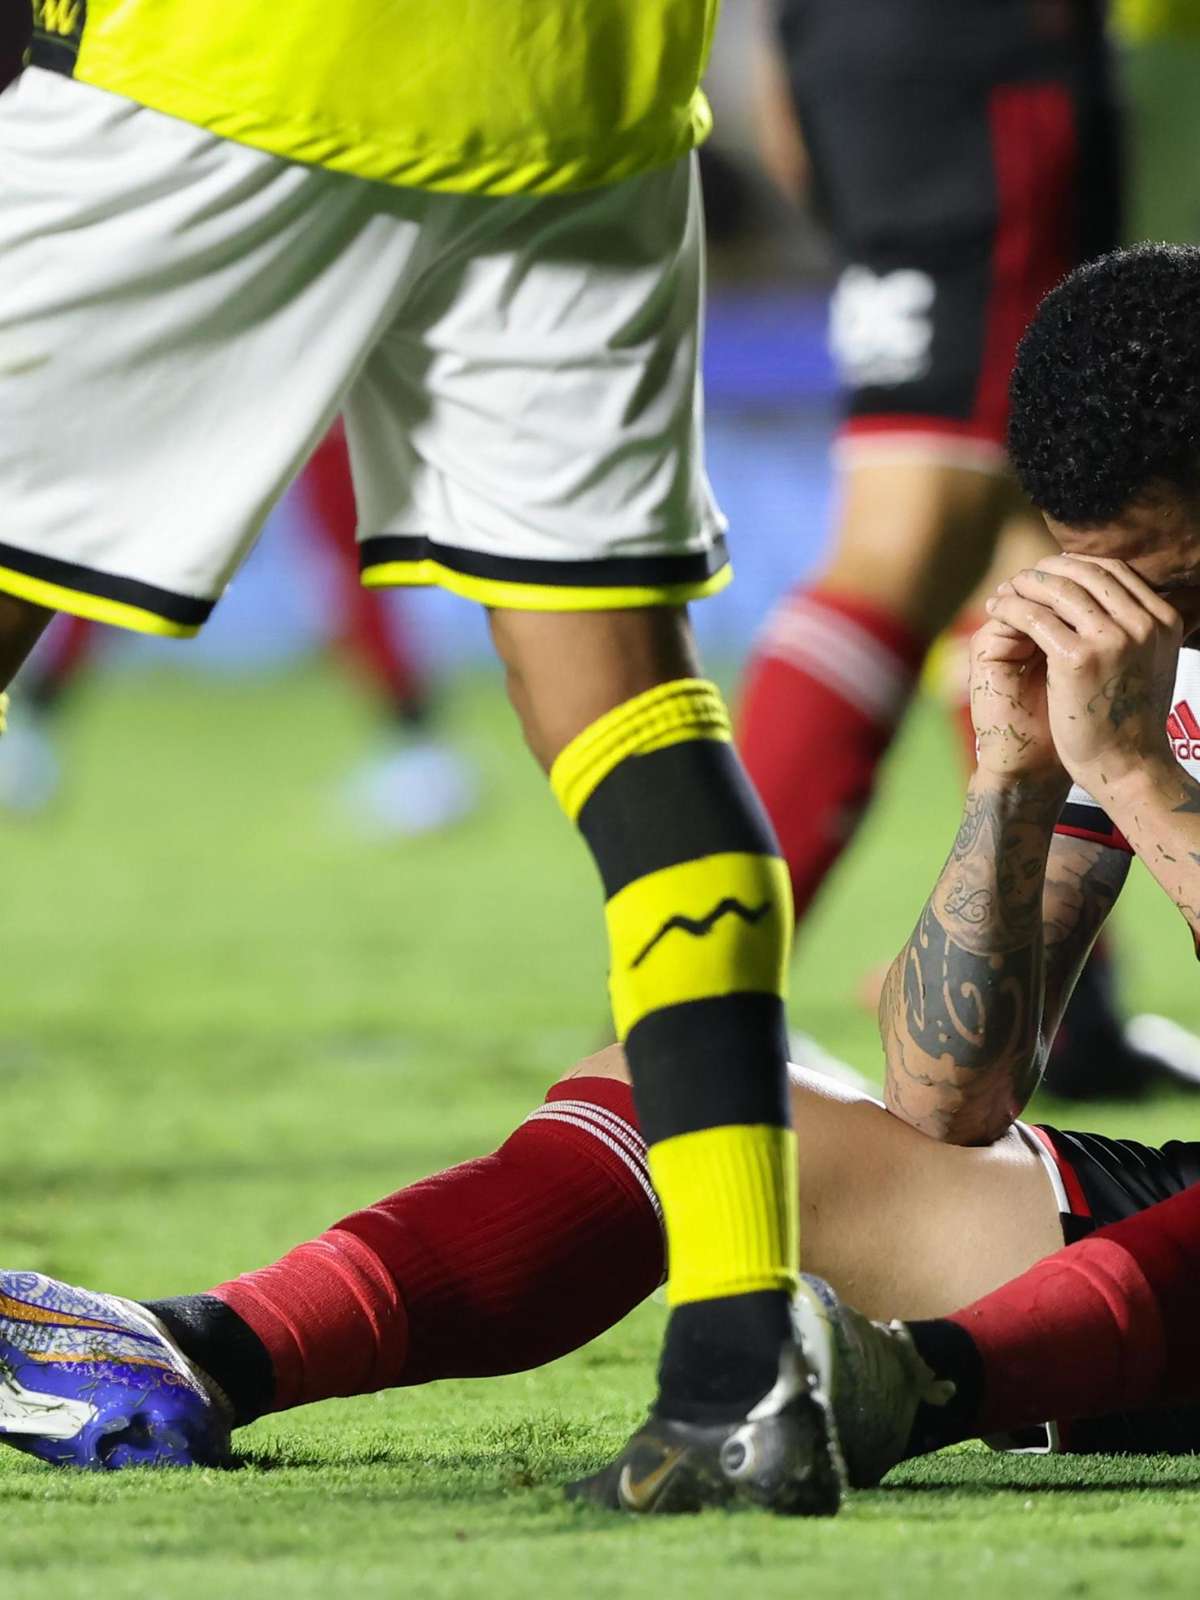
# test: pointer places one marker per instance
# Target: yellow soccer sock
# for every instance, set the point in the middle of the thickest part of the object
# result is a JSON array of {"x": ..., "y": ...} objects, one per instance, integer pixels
[
  {"x": 699, "y": 920},
  {"x": 730, "y": 1200}
]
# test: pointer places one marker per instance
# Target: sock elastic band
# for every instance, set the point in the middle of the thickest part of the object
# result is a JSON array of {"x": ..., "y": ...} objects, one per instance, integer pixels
[
  {"x": 731, "y": 1201},
  {"x": 686, "y": 708}
]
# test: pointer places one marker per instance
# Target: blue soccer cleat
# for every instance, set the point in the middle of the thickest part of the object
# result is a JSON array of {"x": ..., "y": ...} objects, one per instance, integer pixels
[{"x": 94, "y": 1381}]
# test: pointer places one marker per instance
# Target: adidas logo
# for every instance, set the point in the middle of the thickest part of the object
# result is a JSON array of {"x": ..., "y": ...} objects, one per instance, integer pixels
[{"x": 1184, "y": 732}]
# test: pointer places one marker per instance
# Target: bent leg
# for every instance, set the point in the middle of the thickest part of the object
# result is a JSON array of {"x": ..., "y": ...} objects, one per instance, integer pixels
[
  {"x": 1104, "y": 1325},
  {"x": 838, "y": 659},
  {"x": 517, "y": 1258},
  {"x": 496, "y": 1265},
  {"x": 896, "y": 1221},
  {"x": 371, "y": 638}
]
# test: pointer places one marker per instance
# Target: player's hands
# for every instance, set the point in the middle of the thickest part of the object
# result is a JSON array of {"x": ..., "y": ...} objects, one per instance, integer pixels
[
  {"x": 1111, "y": 647},
  {"x": 1009, "y": 708}
]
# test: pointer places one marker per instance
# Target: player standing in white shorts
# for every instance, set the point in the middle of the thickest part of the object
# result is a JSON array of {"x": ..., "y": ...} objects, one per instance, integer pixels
[{"x": 476, "y": 232}]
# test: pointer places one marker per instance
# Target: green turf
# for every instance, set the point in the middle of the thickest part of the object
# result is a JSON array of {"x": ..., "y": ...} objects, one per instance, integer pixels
[{"x": 224, "y": 1022}]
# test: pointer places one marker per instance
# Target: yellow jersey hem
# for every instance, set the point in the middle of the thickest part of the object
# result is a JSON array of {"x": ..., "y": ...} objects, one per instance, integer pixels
[{"x": 508, "y": 171}]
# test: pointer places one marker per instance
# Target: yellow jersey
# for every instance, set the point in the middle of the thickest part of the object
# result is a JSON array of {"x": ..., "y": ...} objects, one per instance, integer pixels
[{"x": 490, "y": 97}]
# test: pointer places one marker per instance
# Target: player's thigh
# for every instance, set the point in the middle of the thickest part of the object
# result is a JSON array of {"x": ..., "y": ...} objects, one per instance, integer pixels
[
  {"x": 545, "y": 384},
  {"x": 607, "y": 1063},
  {"x": 179, "y": 316},
  {"x": 1023, "y": 541},
  {"x": 914, "y": 535}
]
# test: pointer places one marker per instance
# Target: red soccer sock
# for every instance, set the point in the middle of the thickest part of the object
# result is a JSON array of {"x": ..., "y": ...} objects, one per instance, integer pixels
[
  {"x": 62, "y": 657},
  {"x": 371, "y": 635},
  {"x": 1108, "y": 1324},
  {"x": 824, "y": 693},
  {"x": 494, "y": 1266}
]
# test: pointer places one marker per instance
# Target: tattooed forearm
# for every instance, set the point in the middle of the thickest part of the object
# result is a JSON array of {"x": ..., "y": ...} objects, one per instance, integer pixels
[
  {"x": 1083, "y": 880},
  {"x": 961, "y": 1034},
  {"x": 1156, "y": 805},
  {"x": 960, "y": 1013},
  {"x": 965, "y": 1007}
]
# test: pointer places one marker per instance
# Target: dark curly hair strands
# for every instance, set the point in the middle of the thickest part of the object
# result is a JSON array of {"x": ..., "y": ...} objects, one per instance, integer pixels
[{"x": 1106, "y": 387}]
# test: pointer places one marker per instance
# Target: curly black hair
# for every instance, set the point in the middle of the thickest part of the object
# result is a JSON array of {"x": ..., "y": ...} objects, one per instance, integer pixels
[{"x": 1106, "y": 387}]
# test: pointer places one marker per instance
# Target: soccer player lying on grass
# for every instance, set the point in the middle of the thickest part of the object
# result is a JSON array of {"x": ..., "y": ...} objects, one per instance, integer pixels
[{"x": 509, "y": 1261}]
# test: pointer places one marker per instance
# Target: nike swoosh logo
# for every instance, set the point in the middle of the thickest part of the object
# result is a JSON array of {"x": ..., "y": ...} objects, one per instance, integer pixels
[
  {"x": 729, "y": 907},
  {"x": 640, "y": 1494}
]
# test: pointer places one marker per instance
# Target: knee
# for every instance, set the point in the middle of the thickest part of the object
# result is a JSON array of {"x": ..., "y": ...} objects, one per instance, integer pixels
[
  {"x": 607, "y": 1063},
  {"x": 916, "y": 538},
  {"x": 565, "y": 670}
]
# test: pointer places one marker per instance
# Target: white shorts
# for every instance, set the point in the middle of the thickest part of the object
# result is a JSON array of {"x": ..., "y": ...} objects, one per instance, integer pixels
[{"x": 182, "y": 317}]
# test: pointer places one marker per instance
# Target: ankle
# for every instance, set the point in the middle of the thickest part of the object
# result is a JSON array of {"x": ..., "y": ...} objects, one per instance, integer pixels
[
  {"x": 225, "y": 1349},
  {"x": 721, "y": 1356}
]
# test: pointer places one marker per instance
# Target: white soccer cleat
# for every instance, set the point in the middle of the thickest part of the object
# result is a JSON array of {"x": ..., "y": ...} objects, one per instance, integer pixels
[
  {"x": 873, "y": 1375},
  {"x": 1176, "y": 1049}
]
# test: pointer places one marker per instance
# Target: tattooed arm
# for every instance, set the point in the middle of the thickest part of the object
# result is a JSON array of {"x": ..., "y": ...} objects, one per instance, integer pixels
[
  {"x": 974, "y": 998},
  {"x": 961, "y": 1009},
  {"x": 1083, "y": 881},
  {"x": 1157, "y": 807},
  {"x": 970, "y": 1093}
]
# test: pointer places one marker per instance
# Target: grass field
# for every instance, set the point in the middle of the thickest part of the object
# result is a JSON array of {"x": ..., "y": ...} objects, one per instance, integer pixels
[{"x": 224, "y": 1022}]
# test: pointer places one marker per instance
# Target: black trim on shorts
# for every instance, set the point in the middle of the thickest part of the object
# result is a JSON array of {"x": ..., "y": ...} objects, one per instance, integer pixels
[
  {"x": 1120, "y": 1177},
  {"x": 611, "y": 572},
  {"x": 183, "y": 609}
]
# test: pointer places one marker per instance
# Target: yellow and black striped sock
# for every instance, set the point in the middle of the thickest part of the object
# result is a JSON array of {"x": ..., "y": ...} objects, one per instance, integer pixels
[{"x": 699, "y": 920}]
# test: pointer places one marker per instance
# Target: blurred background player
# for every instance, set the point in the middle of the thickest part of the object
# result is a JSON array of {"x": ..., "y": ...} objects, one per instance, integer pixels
[
  {"x": 964, "y": 159},
  {"x": 413, "y": 783}
]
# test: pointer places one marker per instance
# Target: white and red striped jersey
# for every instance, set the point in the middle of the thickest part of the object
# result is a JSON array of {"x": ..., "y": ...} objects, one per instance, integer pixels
[{"x": 1082, "y": 818}]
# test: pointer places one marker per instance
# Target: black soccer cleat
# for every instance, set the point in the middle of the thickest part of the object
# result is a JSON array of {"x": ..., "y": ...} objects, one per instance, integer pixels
[{"x": 783, "y": 1456}]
